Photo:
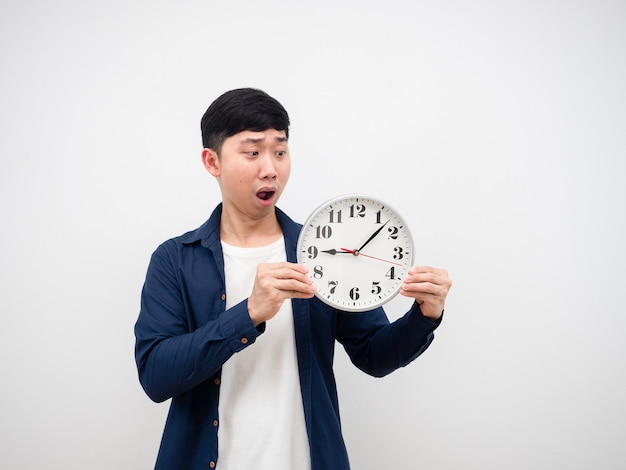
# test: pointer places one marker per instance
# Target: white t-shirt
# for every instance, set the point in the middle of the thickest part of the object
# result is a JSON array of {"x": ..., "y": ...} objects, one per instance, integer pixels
[{"x": 261, "y": 416}]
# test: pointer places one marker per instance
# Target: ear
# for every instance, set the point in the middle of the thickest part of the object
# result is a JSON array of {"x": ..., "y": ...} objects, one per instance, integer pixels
[{"x": 211, "y": 161}]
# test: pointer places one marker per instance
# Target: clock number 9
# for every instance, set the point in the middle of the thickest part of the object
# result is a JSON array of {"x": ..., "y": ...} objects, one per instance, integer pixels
[
  {"x": 354, "y": 293},
  {"x": 312, "y": 251}
]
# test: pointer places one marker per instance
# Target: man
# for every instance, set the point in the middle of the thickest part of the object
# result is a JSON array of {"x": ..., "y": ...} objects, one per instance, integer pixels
[{"x": 229, "y": 327}]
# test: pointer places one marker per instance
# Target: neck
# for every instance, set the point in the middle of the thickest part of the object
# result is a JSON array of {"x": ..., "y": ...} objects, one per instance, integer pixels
[{"x": 246, "y": 232}]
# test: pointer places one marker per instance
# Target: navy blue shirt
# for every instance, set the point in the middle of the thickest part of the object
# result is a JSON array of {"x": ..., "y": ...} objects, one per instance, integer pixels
[{"x": 184, "y": 335}]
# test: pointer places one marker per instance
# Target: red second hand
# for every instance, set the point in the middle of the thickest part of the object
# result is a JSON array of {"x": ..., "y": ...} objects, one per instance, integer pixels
[{"x": 369, "y": 256}]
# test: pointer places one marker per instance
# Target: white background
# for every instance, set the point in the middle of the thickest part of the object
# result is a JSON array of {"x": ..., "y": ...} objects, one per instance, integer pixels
[{"x": 497, "y": 128}]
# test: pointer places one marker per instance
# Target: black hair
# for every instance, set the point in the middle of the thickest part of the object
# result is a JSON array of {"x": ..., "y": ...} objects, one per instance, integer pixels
[{"x": 242, "y": 109}]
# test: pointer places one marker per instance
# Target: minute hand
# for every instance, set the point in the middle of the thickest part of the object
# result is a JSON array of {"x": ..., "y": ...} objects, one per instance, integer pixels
[{"x": 356, "y": 252}]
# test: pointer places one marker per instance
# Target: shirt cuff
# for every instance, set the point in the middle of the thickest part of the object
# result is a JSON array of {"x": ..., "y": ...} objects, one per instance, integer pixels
[{"x": 237, "y": 327}]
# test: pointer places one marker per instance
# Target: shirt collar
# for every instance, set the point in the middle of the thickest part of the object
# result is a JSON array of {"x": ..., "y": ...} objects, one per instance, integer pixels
[{"x": 209, "y": 232}]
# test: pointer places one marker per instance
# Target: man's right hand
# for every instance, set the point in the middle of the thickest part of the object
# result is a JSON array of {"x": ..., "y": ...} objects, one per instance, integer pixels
[{"x": 274, "y": 283}]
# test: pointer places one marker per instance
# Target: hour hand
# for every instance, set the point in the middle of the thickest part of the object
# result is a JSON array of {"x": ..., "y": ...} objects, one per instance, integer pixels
[{"x": 335, "y": 252}]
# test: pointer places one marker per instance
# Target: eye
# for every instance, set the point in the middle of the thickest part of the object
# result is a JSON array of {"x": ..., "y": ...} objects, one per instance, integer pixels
[{"x": 281, "y": 153}]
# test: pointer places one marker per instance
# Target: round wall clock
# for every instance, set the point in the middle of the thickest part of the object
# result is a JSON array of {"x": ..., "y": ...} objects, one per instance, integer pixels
[{"x": 358, "y": 250}]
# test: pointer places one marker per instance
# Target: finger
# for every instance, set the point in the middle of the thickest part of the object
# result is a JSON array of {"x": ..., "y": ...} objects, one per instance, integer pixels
[
  {"x": 305, "y": 293},
  {"x": 426, "y": 287},
  {"x": 428, "y": 270},
  {"x": 286, "y": 265},
  {"x": 292, "y": 269},
  {"x": 436, "y": 276},
  {"x": 295, "y": 286},
  {"x": 294, "y": 294},
  {"x": 423, "y": 278},
  {"x": 284, "y": 271}
]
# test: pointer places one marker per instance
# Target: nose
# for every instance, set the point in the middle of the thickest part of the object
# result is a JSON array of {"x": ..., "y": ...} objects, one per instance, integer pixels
[{"x": 268, "y": 168}]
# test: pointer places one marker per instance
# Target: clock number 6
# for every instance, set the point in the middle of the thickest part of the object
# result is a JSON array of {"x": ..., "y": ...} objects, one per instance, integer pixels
[{"x": 354, "y": 293}]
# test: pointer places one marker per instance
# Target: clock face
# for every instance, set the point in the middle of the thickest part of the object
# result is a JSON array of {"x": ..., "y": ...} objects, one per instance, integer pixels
[{"x": 358, "y": 250}]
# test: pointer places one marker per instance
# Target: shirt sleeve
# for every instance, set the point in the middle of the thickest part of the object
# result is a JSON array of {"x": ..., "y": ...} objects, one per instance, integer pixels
[
  {"x": 172, "y": 355},
  {"x": 378, "y": 347}
]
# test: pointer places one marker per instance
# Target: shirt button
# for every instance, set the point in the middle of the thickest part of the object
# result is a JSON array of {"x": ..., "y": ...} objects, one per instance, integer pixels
[
  {"x": 244, "y": 340},
  {"x": 223, "y": 296},
  {"x": 216, "y": 381},
  {"x": 212, "y": 464},
  {"x": 215, "y": 423}
]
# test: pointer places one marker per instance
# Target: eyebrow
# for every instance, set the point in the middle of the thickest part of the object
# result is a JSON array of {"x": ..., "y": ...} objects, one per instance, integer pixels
[{"x": 251, "y": 140}]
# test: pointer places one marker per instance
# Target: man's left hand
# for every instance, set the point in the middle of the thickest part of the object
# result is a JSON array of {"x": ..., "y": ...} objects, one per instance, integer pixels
[{"x": 429, "y": 287}]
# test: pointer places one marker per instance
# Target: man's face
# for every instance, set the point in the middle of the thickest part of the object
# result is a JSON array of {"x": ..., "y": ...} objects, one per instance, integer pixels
[{"x": 253, "y": 169}]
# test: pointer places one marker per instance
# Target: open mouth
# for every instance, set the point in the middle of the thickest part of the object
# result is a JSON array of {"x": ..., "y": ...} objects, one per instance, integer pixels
[{"x": 265, "y": 195}]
